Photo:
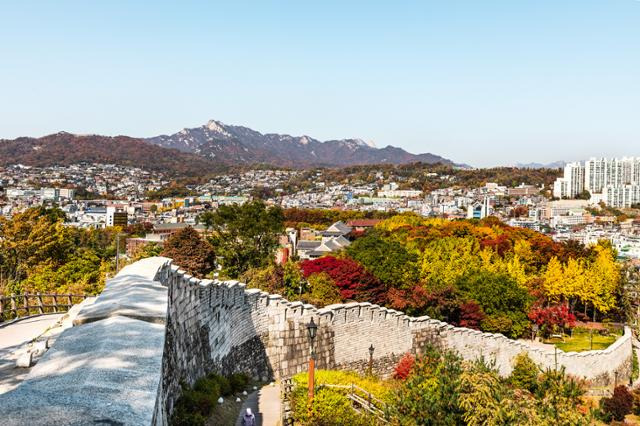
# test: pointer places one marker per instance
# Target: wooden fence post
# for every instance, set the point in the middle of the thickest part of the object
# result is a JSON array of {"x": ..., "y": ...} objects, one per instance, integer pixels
[
  {"x": 13, "y": 303},
  {"x": 26, "y": 304},
  {"x": 70, "y": 302},
  {"x": 55, "y": 302},
  {"x": 39, "y": 299},
  {"x": 1, "y": 309}
]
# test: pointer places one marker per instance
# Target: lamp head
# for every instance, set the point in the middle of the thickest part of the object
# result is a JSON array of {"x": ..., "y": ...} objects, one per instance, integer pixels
[
  {"x": 371, "y": 349},
  {"x": 312, "y": 329}
]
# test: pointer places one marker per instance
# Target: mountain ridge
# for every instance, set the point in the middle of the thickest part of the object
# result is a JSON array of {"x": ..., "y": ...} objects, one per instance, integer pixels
[
  {"x": 210, "y": 148},
  {"x": 65, "y": 148},
  {"x": 234, "y": 144}
]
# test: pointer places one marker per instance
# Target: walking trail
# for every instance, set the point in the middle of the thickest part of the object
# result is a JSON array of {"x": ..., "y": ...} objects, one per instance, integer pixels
[
  {"x": 18, "y": 337},
  {"x": 265, "y": 404}
]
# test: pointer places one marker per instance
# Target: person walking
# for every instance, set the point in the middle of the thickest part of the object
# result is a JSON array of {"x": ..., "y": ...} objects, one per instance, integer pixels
[{"x": 249, "y": 419}]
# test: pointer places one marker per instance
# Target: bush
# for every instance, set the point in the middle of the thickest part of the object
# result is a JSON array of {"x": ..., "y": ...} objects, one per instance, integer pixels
[
  {"x": 636, "y": 401},
  {"x": 331, "y": 407},
  {"x": 196, "y": 404},
  {"x": 223, "y": 383},
  {"x": 429, "y": 396},
  {"x": 238, "y": 382},
  {"x": 404, "y": 366},
  {"x": 525, "y": 373},
  {"x": 619, "y": 405}
]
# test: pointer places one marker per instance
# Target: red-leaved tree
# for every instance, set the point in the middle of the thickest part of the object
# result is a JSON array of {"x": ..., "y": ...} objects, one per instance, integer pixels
[
  {"x": 404, "y": 367},
  {"x": 353, "y": 281},
  {"x": 551, "y": 317},
  {"x": 470, "y": 314}
]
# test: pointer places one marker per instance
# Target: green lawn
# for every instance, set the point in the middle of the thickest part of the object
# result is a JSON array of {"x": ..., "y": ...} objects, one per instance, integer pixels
[{"x": 580, "y": 341}]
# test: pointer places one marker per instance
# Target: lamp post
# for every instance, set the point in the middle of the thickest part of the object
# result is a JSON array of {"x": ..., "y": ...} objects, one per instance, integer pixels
[
  {"x": 371, "y": 349},
  {"x": 312, "y": 329}
]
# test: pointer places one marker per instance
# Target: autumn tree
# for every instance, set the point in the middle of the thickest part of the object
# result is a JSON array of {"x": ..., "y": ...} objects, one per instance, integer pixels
[
  {"x": 322, "y": 290},
  {"x": 190, "y": 251},
  {"x": 353, "y": 281},
  {"x": 244, "y": 236}
]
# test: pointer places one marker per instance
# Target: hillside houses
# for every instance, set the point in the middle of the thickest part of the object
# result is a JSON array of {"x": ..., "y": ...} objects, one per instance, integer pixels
[{"x": 330, "y": 240}]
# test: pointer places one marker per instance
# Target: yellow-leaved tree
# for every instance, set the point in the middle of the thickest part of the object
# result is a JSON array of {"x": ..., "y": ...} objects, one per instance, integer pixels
[
  {"x": 553, "y": 280},
  {"x": 602, "y": 278}
]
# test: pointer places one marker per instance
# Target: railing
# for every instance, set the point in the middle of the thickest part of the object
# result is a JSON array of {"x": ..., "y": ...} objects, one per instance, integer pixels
[
  {"x": 286, "y": 413},
  {"x": 23, "y": 305},
  {"x": 363, "y": 401}
]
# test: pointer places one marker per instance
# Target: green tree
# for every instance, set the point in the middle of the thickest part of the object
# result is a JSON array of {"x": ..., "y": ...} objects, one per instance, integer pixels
[
  {"x": 322, "y": 290},
  {"x": 387, "y": 260},
  {"x": 244, "y": 236},
  {"x": 148, "y": 250},
  {"x": 501, "y": 298},
  {"x": 293, "y": 280},
  {"x": 268, "y": 278}
]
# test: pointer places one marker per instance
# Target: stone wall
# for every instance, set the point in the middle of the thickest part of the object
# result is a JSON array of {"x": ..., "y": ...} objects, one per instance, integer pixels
[{"x": 224, "y": 327}]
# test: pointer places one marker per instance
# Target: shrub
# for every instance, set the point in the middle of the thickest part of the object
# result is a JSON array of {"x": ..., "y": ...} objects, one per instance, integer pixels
[
  {"x": 331, "y": 407},
  {"x": 238, "y": 382},
  {"x": 636, "y": 401},
  {"x": 222, "y": 382},
  {"x": 194, "y": 406},
  {"x": 404, "y": 366},
  {"x": 525, "y": 373},
  {"x": 619, "y": 405},
  {"x": 430, "y": 395}
]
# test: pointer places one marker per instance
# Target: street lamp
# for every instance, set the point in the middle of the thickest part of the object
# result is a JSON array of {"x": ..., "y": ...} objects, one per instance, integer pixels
[
  {"x": 312, "y": 329},
  {"x": 371, "y": 349}
]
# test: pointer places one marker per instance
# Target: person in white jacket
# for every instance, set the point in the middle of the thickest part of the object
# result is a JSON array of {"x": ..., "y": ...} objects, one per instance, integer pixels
[{"x": 249, "y": 419}]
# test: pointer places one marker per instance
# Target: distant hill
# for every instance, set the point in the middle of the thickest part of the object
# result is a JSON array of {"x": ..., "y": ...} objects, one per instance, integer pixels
[
  {"x": 240, "y": 145},
  {"x": 554, "y": 165},
  {"x": 66, "y": 149}
]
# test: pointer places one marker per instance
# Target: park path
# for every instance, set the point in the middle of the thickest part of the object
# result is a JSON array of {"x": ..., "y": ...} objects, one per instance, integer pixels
[
  {"x": 265, "y": 404},
  {"x": 15, "y": 336}
]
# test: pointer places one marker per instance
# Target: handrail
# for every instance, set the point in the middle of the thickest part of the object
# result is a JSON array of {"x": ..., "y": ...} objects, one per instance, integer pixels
[
  {"x": 19, "y": 304},
  {"x": 367, "y": 402}
]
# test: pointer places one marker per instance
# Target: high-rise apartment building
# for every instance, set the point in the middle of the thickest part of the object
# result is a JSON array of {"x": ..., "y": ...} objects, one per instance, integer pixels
[
  {"x": 572, "y": 182},
  {"x": 615, "y": 180}
]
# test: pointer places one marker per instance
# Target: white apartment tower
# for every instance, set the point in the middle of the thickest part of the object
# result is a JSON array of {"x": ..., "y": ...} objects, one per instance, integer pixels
[
  {"x": 572, "y": 182},
  {"x": 615, "y": 180}
]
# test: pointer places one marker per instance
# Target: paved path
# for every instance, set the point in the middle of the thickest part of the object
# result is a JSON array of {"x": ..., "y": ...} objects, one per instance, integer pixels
[
  {"x": 15, "y": 336},
  {"x": 265, "y": 404},
  {"x": 24, "y": 331}
]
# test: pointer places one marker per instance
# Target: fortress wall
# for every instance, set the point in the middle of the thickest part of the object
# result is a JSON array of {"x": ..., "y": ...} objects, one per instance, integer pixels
[{"x": 224, "y": 327}]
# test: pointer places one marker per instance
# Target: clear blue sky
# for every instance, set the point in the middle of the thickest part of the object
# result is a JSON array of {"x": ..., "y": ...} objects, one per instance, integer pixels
[{"x": 480, "y": 82}]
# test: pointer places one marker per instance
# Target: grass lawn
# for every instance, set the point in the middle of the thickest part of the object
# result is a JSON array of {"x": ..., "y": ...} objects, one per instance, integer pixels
[{"x": 580, "y": 341}]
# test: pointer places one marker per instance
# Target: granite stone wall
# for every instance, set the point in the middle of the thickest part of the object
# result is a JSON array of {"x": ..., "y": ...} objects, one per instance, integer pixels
[{"x": 222, "y": 326}]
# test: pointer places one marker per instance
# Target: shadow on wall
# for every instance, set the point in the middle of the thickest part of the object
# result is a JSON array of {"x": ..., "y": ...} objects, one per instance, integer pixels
[{"x": 210, "y": 327}]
